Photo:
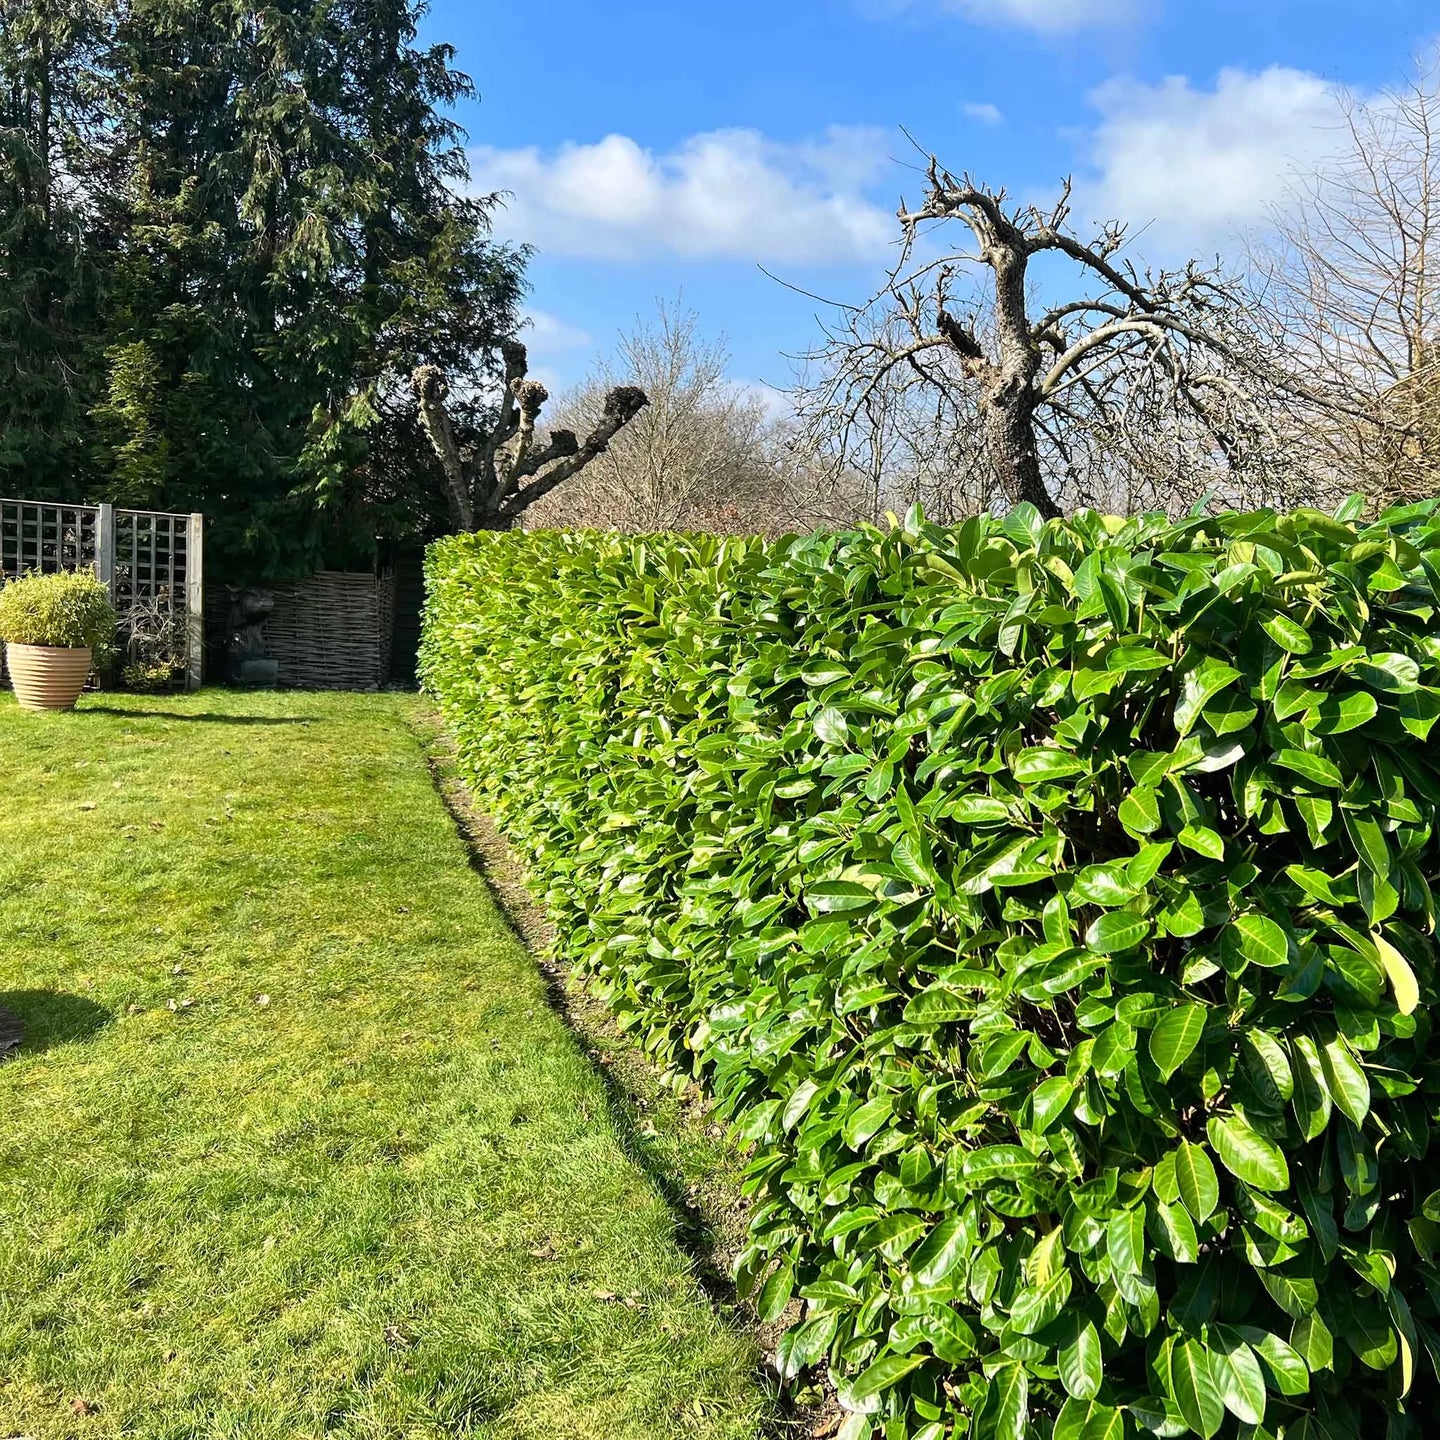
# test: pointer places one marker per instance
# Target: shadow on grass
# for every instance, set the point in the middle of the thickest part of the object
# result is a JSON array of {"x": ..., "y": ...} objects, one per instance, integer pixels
[
  {"x": 45, "y": 1018},
  {"x": 209, "y": 717}
]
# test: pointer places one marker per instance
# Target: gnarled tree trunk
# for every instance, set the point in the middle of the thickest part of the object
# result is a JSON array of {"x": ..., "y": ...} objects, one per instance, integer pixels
[{"x": 1009, "y": 413}]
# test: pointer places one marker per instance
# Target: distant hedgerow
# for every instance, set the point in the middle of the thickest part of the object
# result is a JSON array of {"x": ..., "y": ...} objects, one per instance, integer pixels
[{"x": 1051, "y": 907}]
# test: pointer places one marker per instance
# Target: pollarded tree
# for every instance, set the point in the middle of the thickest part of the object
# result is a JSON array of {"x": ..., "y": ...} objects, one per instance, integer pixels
[
  {"x": 494, "y": 470},
  {"x": 1129, "y": 388}
]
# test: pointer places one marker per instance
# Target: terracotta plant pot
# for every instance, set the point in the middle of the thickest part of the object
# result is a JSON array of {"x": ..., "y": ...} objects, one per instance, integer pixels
[{"x": 47, "y": 677}]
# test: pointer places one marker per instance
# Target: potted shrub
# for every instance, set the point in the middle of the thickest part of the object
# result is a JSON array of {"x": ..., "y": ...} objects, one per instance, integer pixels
[{"x": 52, "y": 625}]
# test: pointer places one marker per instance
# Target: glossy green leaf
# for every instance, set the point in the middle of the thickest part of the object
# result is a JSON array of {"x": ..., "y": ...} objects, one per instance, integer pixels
[
  {"x": 1146, "y": 864},
  {"x": 978, "y": 810},
  {"x": 1269, "y": 1068},
  {"x": 1114, "y": 1049},
  {"x": 941, "y": 1251},
  {"x": 1125, "y": 1240},
  {"x": 1081, "y": 1364},
  {"x": 1139, "y": 812},
  {"x": 1192, "y": 1383},
  {"x": 912, "y": 858},
  {"x": 1296, "y": 1295},
  {"x": 1175, "y": 1234},
  {"x": 1128, "y": 658},
  {"x": 885, "y": 1373},
  {"x": 1198, "y": 687},
  {"x": 1285, "y": 1370},
  {"x": 1203, "y": 841},
  {"x": 1311, "y": 1100},
  {"x": 997, "y": 1162},
  {"x": 1309, "y": 766},
  {"x": 828, "y": 897},
  {"x": 1116, "y": 932},
  {"x": 831, "y": 726},
  {"x": 1317, "y": 813},
  {"x": 947, "y": 1333},
  {"x": 1390, "y": 673},
  {"x": 775, "y": 1294},
  {"x": 1345, "y": 1079},
  {"x": 1005, "y": 1410},
  {"x": 1108, "y": 885},
  {"x": 1312, "y": 1341},
  {"x": 1039, "y": 1306},
  {"x": 1246, "y": 1155},
  {"x": 1259, "y": 940},
  {"x": 938, "y": 1005},
  {"x": 1090, "y": 1420},
  {"x": 1338, "y": 714},
  {"x": 1195, "y": 1178},
  {"x": 1105, "y": 1423},
  {"x": 1043, "y": 763},
  {"x": 866, "y": 1120},
  {"x": 1051, "y": 1099},
  {"x": 1174, "y": 1039},
  {"x": 895, "y": 1234},
  {"x": 1369, "y": 840},
  {"x": 1239, "y": 1378},
  {"x": 1288, "y": 635}
]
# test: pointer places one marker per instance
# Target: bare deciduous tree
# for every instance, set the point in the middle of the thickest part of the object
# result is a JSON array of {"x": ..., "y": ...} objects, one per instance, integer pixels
[
  {"x": 906, "y": 441},
  {"x": 1350, "y": 279},
  {"x": 493, "y": 474},
  {"x": 703, "y": 455},
  {"x": 1138, "y": 387}
]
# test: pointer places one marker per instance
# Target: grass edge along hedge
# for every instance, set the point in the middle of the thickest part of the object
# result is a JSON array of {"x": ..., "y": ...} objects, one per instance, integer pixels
[{"x": 1049, "y": 905}]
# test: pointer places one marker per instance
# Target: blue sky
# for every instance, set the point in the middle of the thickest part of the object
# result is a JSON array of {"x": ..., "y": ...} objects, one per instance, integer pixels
[{"x": 657, "y": 147}]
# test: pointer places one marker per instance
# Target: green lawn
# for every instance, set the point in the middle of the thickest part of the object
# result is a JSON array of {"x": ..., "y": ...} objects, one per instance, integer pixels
[{"x": 295, "y": 1146}]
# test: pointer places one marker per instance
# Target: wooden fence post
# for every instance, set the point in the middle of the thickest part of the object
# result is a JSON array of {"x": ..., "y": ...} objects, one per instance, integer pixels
[
  {"x": 195, "y": 602},
  {"x": 105, "y": 547}
]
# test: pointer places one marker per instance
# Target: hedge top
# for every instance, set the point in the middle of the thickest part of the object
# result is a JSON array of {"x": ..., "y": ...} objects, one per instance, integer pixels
[
  {"x": 70, "y": 609},
  {"x": 1050, "y": 903}
]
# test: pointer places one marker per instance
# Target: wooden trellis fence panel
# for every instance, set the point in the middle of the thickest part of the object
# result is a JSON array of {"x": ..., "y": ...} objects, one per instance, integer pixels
[
  {"x": 46, "y": 537},
  {"x": 149, "y": 560}
]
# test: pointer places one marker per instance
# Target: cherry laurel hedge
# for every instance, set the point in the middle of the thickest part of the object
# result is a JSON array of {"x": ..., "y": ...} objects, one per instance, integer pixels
[{"x": 1049, "y": 904}]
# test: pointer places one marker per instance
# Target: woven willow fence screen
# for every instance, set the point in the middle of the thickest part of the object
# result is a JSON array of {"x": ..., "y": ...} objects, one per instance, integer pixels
[
  {"x": 333, "y": 631},
  {"x": 154, "y": 563}
]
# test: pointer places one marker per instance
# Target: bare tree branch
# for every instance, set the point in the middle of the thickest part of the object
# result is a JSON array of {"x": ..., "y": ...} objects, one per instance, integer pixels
[
  {"x": 1350, "y": 284},
  {"x": 1136, "y": 390},
  {"x": 622, "y": 405},
  {"x": 484, "y": 481},
  {"x": 705, "y": 454},
  {"x": 431, "y": 390}
]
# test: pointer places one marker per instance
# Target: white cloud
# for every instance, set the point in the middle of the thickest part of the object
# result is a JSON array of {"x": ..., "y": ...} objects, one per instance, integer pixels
[
  {"x": 730, "y": 194},
  {"x": 985, "y": 113},
  {"x": 1200, "y": 165},
  {"x": 556, "y": 349},
  {"x": 1048, "y": 16},
  {"x": 550, "y": 335}
]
